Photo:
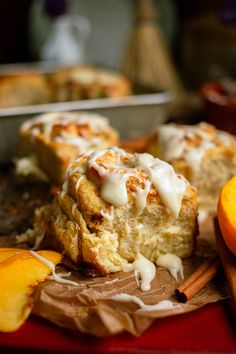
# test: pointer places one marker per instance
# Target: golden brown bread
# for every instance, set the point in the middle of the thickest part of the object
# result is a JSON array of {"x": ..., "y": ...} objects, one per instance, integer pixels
[
  {"x": 115, "y": 205},
  {"x": 57, "y": 138},
  {"x": 24, "y": 88},
  {"x": 203, "y": 154},
  {"x": 82, "y": 82}
]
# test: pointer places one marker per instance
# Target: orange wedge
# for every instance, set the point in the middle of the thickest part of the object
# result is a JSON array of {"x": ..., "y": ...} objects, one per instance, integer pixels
[
  {"x": 20, "y": 273},
  {"x": 226, "y": 211}
]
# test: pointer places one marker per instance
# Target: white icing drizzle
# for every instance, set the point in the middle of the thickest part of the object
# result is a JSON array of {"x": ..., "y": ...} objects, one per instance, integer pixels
[
  {"x": 109, "y": 217},
  {"x": 113, "y": 179},
  {"x": 160, "y": 306},
  {"x": 127, "y": 227},
  {"x": 137, "y": 277},
  {"x": 145, "y": 268},
  {"x": 203, "y": 214},
  {"x": 93, "y": 157},
  {"x": 74, "y": 207},
  {"x": 77, "y": 169},
  {"x": 68, "y": 169},
  {"x": 84, "y": 76},
  {"x": 26, "y": 166},
  {"x": 138, "y": 228},
  {"x": 52, "y": 267},
  {"x": 113, "y": 190},
  {"x": 141, "y": 196},
  {"x": 170, "y": 186},
  {"x": 35, "y": 131},
  {"x": 173, "y": 142},
  {"x": 79, "y": 141},
  {"x": 173, "y": 263},
  {"x": 47, "y": 121},
  {"x": 39, "y": 238},
  {"x": 110, "y": 281},
  {"x": 170, "y": 141},
  {"x": 61, "y": 275},
  {"x": 107, "y": 282},
  {"x": 226, "y": 138},
  {"x": 194, "y": 156},
  {"x": 64, "y": 189},
  {"x": 78, "y": 183}
]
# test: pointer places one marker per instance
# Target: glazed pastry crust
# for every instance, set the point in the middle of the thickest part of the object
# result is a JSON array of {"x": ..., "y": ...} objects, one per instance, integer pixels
[
  {"x": 89, "y": 230},
  {"x": 63, "y": 136},
  {"x": 24, "y": 88},
  {"x": 86, "y": 82},
  {"x": 208, "y": 174}
]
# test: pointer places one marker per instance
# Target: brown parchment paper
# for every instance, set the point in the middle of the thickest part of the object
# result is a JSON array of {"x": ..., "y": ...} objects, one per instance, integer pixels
[{"x": 89, "y": 308}]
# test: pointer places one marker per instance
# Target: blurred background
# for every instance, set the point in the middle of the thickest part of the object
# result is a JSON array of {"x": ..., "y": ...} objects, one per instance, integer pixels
[
  {"x": 187, "y": 47},
  {"x": 201, "y": 34}
]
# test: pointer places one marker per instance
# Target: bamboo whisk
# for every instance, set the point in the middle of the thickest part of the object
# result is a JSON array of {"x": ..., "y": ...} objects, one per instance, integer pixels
[{"x": 147, "y": 60}]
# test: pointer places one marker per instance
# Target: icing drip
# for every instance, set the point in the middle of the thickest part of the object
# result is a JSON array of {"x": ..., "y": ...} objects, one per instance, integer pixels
[
  {"x": 110, "y": 216},
  {"x": 170, "y": 187},
  {"x": 127, "y": 227},
  {"x": 145, "y": 268},
  {"x": 79, "y": 169},
  {"x": 50, "y": 265},
  {"x": 78, "y": 183},
  {"x": 79, "y": 141},
  {"x": 203, "y": 214},
  {"x": 194, "y": 156},
  {"x": 26, "y": 166},
  {"x": 113, "y": 190},
  {"x": 64, "y": 190},
  {"x": 162, "y": 305},
  {"x": 74, "y": 207},
  {"x": 138, "y": 229},
  {"x": 61, "y": 275},
  {"x": 141, "y": 196},
  {"x": 113, "y": 178},
  {"x": 137, "y": 278},
  {"x": 110, "y": 282},
  {"x": 172, "y": 263},
  {"x": 48, "y": 121},
  {"x": 38, "y": 240},
  {"x": 189, "y": 142},
  {"x": 170, "y": 142}
]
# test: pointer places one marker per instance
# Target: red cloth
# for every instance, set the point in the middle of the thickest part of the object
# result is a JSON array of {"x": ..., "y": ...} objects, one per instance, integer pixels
[{"x": 209, "y": 330}]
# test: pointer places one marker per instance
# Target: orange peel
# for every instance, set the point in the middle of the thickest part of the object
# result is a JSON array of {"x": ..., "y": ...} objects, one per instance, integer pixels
[
  {"x": 226, "y": 210},
  {"x": 20, "y": 273}
]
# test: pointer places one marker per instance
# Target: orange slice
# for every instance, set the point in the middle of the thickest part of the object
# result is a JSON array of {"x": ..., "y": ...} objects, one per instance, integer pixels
[
  {"x": 20, "y": 273},
  {"x": 227, "y": 213}
]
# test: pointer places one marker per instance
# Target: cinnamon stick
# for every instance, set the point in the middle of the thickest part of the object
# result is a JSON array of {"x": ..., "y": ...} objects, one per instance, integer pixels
[{"x": 198, "y": 279}]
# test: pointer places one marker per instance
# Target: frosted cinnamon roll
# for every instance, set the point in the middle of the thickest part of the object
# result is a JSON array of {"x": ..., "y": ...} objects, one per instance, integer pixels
[
  {"x": 82, "y": 82},
  {"x": 115, "y": 207},
  {"x": 204, "y": 155},
  {"x": 55, "y": 139}
]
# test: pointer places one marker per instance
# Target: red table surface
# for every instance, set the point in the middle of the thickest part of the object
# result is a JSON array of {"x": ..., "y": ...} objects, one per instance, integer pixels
[{"x": 212, "y": 329}]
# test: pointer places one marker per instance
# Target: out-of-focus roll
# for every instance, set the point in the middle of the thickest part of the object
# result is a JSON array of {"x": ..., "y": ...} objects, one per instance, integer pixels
[
  {"x": 82, "y": 82},
  {"x": 23, "y": 88},
  {"x": 204, "y": 155},
  {"x": 115, "y": 206},
  {"x": 55, "y": 139}
]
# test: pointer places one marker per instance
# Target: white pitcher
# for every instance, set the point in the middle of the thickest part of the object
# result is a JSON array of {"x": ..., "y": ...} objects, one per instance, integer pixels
[{"x": 66, "y": 41}]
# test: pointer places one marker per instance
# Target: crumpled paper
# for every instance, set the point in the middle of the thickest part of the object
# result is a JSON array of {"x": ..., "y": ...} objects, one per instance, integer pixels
[{"x": 89, "y": 308}]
